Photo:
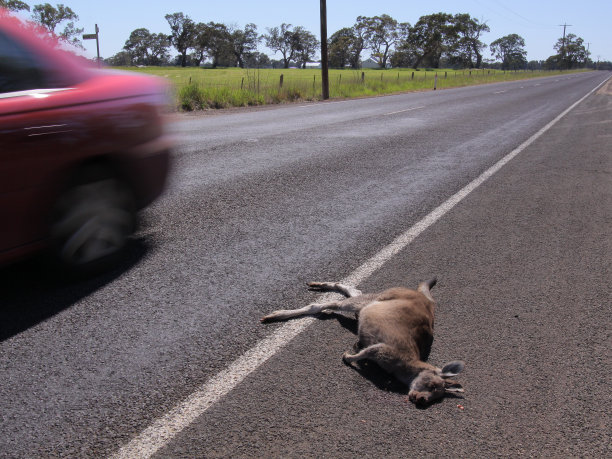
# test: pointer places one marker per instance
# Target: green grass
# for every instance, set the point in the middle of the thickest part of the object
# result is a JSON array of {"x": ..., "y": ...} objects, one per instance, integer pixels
[{"x": 200, "y": 89}]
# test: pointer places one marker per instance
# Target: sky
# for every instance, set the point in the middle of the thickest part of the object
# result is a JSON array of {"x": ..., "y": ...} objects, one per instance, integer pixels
[{"x": 537, "y": 21}]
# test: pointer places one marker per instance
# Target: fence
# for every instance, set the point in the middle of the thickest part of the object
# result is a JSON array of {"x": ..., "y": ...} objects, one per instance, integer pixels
[{"x": 217, "y": 88}]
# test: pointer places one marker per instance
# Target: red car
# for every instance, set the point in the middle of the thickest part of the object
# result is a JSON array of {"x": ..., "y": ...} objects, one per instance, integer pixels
[{"x": 81, "y": 150}]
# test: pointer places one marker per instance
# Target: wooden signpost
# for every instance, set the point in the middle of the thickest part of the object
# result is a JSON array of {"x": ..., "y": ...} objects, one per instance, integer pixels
[{"x": 94, "y": 36}]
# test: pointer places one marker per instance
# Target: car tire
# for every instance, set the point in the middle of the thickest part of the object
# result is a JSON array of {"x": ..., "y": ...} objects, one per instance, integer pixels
[{"x": 92, "y": 220}]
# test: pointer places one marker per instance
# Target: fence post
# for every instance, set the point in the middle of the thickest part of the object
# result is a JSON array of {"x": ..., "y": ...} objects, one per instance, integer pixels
[
  {"x": 445, "y": 75},
  {"x": 281, "y": 81},
  {"x": 435, "y": 81},
  {"x": 412, "y": 78},
  {"x": 242, "y": 84},
  {"x": 362, "y": 77}
]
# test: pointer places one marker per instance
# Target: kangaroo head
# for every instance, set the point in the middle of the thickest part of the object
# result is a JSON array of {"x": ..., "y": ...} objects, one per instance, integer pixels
[{"x": 432, "y": 384}]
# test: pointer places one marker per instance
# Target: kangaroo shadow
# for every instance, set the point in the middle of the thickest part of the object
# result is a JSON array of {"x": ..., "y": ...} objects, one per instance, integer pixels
[{"x": 32, "y": 291}]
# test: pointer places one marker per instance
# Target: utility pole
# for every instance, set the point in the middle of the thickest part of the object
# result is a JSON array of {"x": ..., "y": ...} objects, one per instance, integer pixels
[
  {"x": 563, "y": 42},
  {"x": 324, "y": 63},
  {"x": 586, "y": 59}
]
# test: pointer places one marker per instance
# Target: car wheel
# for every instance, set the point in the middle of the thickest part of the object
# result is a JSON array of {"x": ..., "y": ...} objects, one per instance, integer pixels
[{"x": 92, "y": 220}]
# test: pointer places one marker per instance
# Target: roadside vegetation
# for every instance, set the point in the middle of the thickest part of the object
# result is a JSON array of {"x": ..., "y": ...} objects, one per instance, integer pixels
[
  {"x": 211, "y": 64},
  {"x": 201, "y": 89}
]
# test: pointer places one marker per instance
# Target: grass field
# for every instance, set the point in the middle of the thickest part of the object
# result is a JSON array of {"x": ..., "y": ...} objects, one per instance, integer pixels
[{"x": 199, "y": 89}]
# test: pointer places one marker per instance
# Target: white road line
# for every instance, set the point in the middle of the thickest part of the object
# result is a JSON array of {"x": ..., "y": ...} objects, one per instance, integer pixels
[
  {"x": 402, "y": 111},
  {"x": 499, "y": 92},
  {"x": 164, "y": 429}
]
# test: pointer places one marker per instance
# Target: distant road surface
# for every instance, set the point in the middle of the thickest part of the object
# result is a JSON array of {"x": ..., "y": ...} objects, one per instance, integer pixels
[{"x": 165, "y": 356}]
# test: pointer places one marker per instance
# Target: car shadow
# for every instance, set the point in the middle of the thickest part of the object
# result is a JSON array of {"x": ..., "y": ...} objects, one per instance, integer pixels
[{"x": 32, "y": 291}]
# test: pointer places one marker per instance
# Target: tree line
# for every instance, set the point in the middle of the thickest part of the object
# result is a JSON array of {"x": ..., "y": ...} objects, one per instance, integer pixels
[{"x": 435, "y": 40}]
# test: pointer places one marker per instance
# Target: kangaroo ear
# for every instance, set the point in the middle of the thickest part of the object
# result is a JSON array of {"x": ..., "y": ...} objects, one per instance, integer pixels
[{"x": 452, "y": 369}]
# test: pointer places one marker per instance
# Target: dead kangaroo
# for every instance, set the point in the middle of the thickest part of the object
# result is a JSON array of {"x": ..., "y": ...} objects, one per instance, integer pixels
[{"x": 395, "y": 332}]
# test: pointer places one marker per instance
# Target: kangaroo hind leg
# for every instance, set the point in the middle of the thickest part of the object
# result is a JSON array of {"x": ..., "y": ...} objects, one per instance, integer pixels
[{"x": 345, "y": 290}]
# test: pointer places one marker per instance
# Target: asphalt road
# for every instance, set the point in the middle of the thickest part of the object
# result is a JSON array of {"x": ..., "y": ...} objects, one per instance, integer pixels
[{"x": 262, "y": 201}]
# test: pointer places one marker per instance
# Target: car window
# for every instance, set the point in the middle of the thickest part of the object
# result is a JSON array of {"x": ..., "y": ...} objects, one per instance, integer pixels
[{"x": 20, "y": 69}]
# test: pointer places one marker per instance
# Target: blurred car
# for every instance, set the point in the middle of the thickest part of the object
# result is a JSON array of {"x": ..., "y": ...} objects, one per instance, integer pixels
[{"x": 81, "y": 150}]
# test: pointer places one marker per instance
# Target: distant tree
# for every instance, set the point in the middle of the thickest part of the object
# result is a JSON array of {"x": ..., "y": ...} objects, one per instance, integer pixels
[
  {"x": 510, "y": 50},
  {"x": 14, "y": 5},
  {"x": 306, "y": 46},
  {"x": 345, "y": 47},
  {"x": 257, "y": 60},
  {"x": 358, "y": 45},
  {"x": 121, "y": 59},
  {"x": 536, "y": 65},
  {"x": 381, "y": 34},
  {"x": 404, "y": 54},
  {"x": 571, "y": 52},
  {"x": 339, "y": 47},
  {"x": 183, "y": 32},
  {"x": 147, "y": 48},
  {"x": 244, "y": 43},
  {"x": 281, "y": 39},
  {"x": 213, "y": 40},
  {"x": 50, "y": 17},
  {"x": 431, "y": 37},
  {"x": 200, "y": 44},
  {"x": 467, "y": 49}
]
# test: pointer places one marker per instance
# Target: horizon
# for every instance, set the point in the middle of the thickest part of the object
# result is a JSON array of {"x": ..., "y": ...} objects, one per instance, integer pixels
[{"x": 524, "y": 18}]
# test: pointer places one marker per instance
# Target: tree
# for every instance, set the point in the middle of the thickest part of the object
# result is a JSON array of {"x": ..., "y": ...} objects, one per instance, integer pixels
[
  {"x": 404, "y": 54},
  {"x": 213, "y": 40},
  {"x": 257, "y": 60},
  {"x": 50, "y": 17},
  {"x": 122, "y": 58},
  {"x": 468, "y": 46},
  {"x": 306, "y": 45},
  {"x": 339, "y": 47},
  {"x": 183, "y": 32},
  {"x": 244, "y": 43},
  {"x": 510, "y": 50},
  {"x": 431, "y": 37},
  {"x": 380, "y": 33},
  {"x": 571, "y": 52},
  {"x": 345, "y": 47},
  {"x": 14, "y": 5},
  {"x": 146, "y": 48},
  {"x": 282, "y": 40}
]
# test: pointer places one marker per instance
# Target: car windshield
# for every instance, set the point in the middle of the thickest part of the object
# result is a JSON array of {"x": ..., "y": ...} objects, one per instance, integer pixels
[{"x": 23, "y": 69}]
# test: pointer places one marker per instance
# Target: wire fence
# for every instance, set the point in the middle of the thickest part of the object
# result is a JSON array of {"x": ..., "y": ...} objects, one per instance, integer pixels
[{"x": 216, "y": 88}]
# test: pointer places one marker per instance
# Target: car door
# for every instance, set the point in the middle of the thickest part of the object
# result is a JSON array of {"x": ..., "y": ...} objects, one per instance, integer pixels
[{"x": 31, "y": 135}]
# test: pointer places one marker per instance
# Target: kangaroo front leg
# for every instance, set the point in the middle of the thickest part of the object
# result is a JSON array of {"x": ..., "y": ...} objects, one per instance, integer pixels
[{"x": 310, "y": 310}]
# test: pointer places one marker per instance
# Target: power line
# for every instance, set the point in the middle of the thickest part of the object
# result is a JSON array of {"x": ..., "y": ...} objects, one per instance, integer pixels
[{"x": 528, "y": 22}]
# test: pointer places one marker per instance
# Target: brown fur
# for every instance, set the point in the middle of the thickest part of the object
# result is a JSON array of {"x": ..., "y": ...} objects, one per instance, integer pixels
[{"x": 395, "y": 331}]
